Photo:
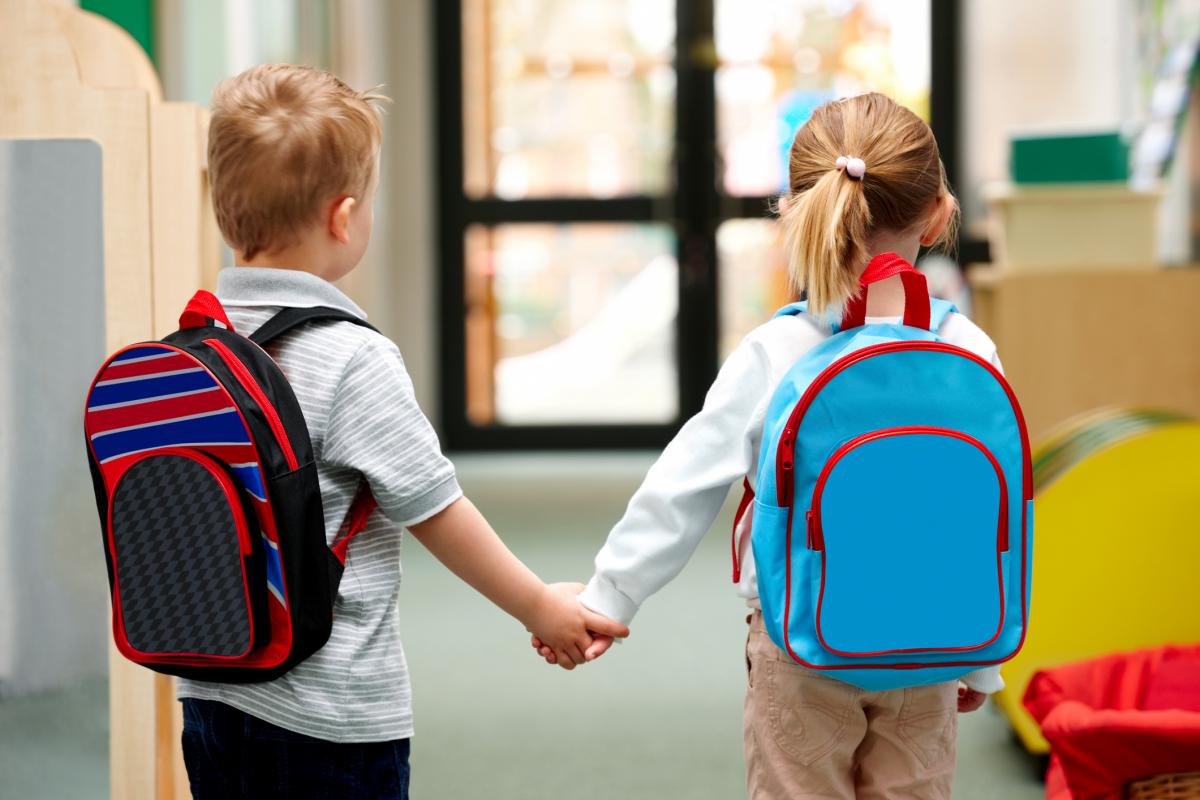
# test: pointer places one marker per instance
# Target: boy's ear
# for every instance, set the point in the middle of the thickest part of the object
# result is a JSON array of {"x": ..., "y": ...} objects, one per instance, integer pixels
[
  {"x": 339, "y": 218},
  {"x": 943, "y": 209}
]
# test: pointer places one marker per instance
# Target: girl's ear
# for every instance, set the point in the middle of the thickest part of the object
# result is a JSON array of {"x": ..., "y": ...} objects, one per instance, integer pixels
[{"x": 943, "y": 209}]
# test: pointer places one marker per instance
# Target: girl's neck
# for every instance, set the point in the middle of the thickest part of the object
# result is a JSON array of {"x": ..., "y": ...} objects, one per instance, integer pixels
[
  {"x": 886, "y": 298},
  {"x": 906, "y": 244}
]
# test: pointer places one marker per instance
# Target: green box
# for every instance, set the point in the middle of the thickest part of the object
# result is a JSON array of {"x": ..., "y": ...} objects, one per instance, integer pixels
[{"x": 1069, "y": 158}]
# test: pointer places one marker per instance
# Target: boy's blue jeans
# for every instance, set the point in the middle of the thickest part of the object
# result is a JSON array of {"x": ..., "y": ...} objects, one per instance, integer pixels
[{"x": 230, "y": 754}]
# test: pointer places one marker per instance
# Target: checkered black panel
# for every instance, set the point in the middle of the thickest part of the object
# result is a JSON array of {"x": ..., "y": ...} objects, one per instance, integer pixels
[{"x": 178, "y": 562}]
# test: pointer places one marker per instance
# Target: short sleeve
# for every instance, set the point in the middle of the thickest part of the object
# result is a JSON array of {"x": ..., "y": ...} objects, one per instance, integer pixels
[{"x": 377, "y": 428}]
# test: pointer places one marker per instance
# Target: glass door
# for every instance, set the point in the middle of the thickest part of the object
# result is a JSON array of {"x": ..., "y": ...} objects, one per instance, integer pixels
[{"x": 605, "y": 177}]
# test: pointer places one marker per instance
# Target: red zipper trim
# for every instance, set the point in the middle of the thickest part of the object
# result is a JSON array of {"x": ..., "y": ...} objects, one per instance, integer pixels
[
  {"x": 251, "y": 385},
  {"x": 734, "y": 541},
  {"x": 817, "y": 537},
  {"x": 244, "y": 548},
  {"x": 784, "y": 453}
]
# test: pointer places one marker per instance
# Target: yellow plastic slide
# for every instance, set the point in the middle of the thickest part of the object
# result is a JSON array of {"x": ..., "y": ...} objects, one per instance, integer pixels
[{"x": 1116, "y": 557}]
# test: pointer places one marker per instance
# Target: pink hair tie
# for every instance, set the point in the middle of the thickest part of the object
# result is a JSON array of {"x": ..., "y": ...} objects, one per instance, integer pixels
[{"x": 852, "y": 165}]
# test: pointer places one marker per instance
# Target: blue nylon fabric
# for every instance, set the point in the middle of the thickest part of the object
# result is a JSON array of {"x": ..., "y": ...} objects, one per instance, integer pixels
[{"x": 897, "y": 389}]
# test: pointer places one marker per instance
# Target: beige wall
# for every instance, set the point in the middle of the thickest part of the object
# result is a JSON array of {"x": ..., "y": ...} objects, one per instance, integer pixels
[
  {"x": 401, "y": 288},
  {"x": 1039, "y": 63}
]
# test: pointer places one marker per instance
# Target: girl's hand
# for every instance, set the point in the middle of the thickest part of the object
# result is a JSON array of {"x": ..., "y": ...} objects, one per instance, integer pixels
[
  {"x": 565, "y": 627},
  {"x": 968, "y": 699},
  {"x": 600, "y": 645}
]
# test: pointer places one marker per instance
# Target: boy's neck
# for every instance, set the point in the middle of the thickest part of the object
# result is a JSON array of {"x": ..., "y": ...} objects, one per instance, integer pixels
[{"x": 294, "y": 259}]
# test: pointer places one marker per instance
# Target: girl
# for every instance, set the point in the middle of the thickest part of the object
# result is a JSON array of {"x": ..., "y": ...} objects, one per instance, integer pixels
[{"x": 865, "y": 178}]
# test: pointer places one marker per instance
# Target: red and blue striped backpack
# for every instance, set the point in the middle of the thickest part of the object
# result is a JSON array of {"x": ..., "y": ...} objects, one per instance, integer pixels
[
  {"x": 211, "y": 512},
  {"x": 893, "y": 527}
]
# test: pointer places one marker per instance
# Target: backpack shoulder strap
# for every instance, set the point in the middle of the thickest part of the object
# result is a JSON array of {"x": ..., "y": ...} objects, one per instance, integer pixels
[
  {"x": 801, "y": 307},
  {"x": 938, "y": 311},
  {"x": 290, "y": 318},
  {"x": 793, "y": 309}
]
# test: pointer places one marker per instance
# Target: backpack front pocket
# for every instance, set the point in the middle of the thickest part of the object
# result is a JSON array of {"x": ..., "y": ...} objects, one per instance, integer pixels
[
  {"x": 911, "y": 524},
  {"x": 187, "y": 560}
]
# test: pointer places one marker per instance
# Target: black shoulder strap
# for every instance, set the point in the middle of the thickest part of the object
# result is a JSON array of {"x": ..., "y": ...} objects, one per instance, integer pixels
[{"x": 290, "y": 318}]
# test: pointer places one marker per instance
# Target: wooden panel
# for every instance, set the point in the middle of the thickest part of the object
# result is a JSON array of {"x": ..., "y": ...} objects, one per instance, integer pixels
[
  {"x": 104, "y": 61},
  {"x": 179, "y": 202},
  {"x": 1072, "y": 342},
  {"x": 68, "y": 74}
]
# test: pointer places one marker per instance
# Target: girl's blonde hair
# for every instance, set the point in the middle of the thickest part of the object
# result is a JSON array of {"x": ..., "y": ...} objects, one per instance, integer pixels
[{"x": 828, "y": 214}]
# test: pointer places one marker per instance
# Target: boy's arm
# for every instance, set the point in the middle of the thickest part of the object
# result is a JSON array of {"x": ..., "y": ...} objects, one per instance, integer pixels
[
  {"x": 462, "y": 539},
  {"x": 377, "y": 429},
  {"x": 683, "y": 492}
]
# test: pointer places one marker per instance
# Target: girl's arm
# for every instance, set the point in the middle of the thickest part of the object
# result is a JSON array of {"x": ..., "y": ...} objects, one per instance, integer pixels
[
  {"x": 684, "y": 490},
  {"x": 462, "y": 539}
]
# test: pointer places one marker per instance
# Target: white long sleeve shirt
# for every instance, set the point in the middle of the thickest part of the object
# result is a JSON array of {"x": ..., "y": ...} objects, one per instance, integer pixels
[{"x": 684, "y": 491}]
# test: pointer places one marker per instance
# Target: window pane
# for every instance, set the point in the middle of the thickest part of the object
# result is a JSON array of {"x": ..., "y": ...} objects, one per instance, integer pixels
[
  {"x": 567, "y": 99},
  {"x": 780, "y": 59},
  {"x": 752, "y": 279},
  {"x": 571, "y": 324}
]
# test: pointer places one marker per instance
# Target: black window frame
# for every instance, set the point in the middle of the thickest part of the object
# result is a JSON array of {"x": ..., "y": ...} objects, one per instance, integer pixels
[{"x": 697, "y": 209}]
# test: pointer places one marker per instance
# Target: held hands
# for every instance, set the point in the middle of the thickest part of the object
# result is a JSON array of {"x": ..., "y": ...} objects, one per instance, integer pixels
[{"x": 566, "y": 633}]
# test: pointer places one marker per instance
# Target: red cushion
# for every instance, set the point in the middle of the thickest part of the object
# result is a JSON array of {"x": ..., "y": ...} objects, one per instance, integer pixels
[{"x": 1119, "y": 718}]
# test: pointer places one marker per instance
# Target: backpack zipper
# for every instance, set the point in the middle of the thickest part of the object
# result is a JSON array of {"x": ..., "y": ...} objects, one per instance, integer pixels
[
  {"x": 785, "y": 455},
  {"x": 251, "y": 385}
]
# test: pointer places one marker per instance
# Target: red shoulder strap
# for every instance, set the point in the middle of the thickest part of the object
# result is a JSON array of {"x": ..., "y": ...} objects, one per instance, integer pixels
[
  {"x": 204, "y": 309},
  {"x": 747, "y": 499},
  {"x": 356, "y": 519},
  {"x": 916, "y": 293}
]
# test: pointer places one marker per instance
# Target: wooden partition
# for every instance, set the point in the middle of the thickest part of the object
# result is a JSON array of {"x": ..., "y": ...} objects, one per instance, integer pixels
[
  {"x": 1075, "y": 341},
  {"x": 67, "y": 74}
]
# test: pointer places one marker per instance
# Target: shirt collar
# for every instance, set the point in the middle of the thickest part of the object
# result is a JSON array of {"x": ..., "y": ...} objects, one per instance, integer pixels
[{"x": 288, "y": 288}]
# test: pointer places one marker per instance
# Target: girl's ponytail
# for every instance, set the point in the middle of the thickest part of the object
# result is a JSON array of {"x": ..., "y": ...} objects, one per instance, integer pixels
[
  {"x": 825, "y": 235},
  {"x": 859, "y": 165}
]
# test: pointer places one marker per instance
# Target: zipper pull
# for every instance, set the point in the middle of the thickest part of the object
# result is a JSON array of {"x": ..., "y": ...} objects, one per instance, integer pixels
[{"x": 815, "y": 540}]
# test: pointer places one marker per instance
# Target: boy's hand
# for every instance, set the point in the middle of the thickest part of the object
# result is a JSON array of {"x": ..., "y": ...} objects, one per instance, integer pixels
[
  {"x": 969, "y": 699},
  {"x": 566, "y": 628}
]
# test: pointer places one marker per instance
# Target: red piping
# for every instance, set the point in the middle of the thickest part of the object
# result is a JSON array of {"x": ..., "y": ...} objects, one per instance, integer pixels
[
  {"x": 817, "y": 536},
  {"x": 747, "y": 498},
  {"x": 250, "y": 385},
  {"x": 244, "y": 548},
  {"x": 784, "y": 455}
]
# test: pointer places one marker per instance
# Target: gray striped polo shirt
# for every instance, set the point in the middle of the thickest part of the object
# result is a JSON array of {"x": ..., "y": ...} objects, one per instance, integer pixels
[{"x": 364, "y": 420}]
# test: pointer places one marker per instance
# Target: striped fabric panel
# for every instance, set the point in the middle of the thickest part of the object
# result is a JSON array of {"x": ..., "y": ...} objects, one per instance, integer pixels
[{"x": 153, "y": 397}]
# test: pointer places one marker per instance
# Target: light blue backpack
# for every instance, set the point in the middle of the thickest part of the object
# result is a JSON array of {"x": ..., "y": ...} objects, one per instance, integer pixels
[{"x": 893, "y": 526}]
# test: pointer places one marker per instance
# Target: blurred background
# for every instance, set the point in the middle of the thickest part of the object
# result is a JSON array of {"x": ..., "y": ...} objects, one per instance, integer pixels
[{"x": 574, "y": 228}]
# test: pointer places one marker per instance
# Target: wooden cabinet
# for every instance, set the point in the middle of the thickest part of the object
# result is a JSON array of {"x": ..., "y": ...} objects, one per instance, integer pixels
[{"x": 1076, "y": 340}]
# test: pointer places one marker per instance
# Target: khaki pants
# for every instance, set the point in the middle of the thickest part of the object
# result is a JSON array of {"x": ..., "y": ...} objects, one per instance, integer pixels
[{"x": 810, "y": 736}]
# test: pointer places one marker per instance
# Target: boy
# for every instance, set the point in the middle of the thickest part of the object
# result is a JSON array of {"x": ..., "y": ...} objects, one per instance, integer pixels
[{"x": 294, "y": 163}]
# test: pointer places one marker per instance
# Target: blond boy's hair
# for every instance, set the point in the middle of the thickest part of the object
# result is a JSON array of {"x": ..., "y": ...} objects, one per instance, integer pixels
[
  {"x": 284, "y": 141},
  {"x": 828, "y": 215}
]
